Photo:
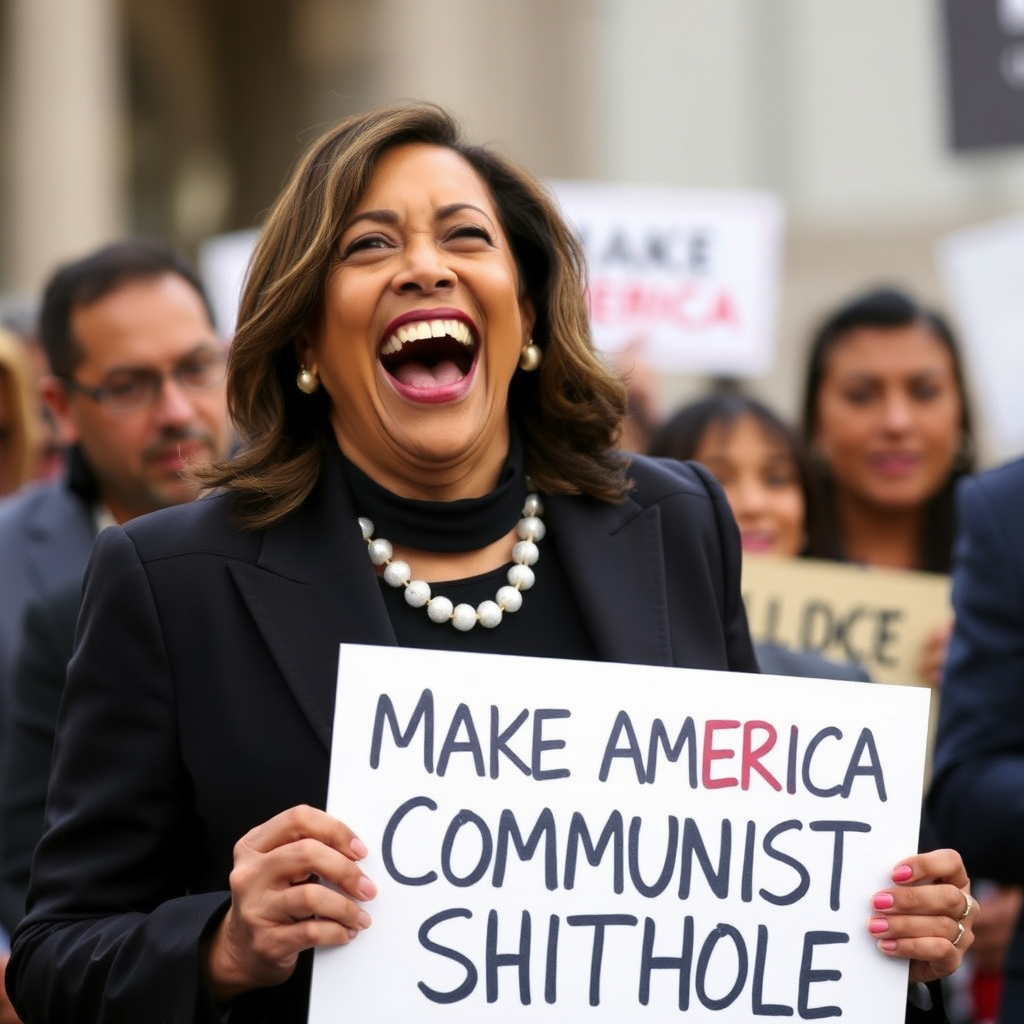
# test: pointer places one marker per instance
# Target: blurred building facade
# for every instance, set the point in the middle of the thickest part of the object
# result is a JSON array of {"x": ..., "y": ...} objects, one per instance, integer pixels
[{"x": 182, "y": 119}]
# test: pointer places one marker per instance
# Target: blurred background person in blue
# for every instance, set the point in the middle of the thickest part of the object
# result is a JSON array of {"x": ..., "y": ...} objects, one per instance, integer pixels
[{"x": 977, "y": 794}]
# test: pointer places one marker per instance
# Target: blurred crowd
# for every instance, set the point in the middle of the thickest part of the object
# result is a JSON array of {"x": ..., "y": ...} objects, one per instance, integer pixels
[{"x": 867, "y": 476}]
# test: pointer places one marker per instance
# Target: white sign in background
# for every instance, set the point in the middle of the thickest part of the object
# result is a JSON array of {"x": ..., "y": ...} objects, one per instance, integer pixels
[
  {"x": 747, "y": 875},
  {"x": 983, "y": 267},
  {"x": 686, "y": 278}
]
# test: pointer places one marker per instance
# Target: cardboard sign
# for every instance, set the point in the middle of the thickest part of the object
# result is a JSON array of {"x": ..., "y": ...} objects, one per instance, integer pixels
[
  {"x": 686, "y": 279},
  {"x": 880, "y": 618},
  {"x": 558, "y": 840}
]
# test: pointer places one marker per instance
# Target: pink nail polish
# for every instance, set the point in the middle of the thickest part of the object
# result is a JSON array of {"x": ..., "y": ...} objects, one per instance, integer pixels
[
  {"x": 877, "y": 925},
  {"x": 882, "y": 901},
  {"x": 902, "y": 873},
  {"x": 887, "y": 945}
]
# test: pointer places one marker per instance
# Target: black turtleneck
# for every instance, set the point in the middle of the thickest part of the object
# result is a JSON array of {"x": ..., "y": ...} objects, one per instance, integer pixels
[{"x": 549, "y": 624}]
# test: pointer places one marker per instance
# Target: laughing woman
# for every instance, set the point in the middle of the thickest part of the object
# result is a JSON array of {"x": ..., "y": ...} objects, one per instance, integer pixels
[{"x": 422, "y": 416}]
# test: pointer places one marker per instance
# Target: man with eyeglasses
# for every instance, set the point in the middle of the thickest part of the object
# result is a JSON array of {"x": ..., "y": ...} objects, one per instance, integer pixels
[{"x": 137, "y": 387}]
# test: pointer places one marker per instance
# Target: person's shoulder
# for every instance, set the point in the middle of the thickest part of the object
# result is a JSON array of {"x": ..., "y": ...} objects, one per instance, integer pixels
[
  {"x": 203, "y": 526},
  {"x": 1001, "y": 483},
  {"x": 658, "y": 479},
  {"x": 25, "y": 509},
  {"x": 22, "y": 505},
  {"x": 776, "y": 660}
]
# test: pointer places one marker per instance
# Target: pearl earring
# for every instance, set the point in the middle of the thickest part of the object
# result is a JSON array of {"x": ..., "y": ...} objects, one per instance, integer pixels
[
  {"x": 530, "y": 357},
  {"x": 307, "y": 381}
]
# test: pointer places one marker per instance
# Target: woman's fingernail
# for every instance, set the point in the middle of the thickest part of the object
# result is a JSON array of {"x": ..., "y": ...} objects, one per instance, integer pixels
[
  {"x": 877, "y": 925},
  {"x": 353, "y": 932},
  {"x": 358, "y": 847},
  {"x": 888, "y": 945},
  {"x": 883, "y": 901},
  {"x": 902, "y": 873},
  {"x": 366, "y": 888},
  {"x": 363, "y": 919}
]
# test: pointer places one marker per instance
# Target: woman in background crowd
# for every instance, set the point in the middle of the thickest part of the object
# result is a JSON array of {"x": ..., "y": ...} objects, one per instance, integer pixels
[
  {"x": 763, "y": 469},
  {"x": 888, "y": 424},
  {"x": 17, "y": 415}
]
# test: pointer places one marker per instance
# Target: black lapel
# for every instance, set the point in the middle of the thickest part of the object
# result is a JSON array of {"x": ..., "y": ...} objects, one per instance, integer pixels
[
  {"x": 614, "y": 558},
  {"x": 312, "y": 588}
]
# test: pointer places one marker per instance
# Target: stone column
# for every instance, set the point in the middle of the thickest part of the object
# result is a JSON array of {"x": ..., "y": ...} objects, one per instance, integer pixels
[{"x": 64, "y": 162}]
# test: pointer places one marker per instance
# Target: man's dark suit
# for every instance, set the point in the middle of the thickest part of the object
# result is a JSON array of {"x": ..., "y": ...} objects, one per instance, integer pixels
[
  {"x": 25, "y": 754},
  {"x": 46, "y": 534},
  {"x": 200, "y": 701},
  {"x": 977, "y": 796}
]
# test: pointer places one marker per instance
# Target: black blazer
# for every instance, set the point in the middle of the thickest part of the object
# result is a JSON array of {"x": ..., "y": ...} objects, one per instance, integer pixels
[{"x": 200, "y": 702}]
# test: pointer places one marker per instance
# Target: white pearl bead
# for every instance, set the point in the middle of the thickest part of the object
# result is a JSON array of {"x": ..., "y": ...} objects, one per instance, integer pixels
[
  {"x": 532, "y": 506},
  {"x": 521, "y": 576},
  {"x": 464, "y": 617},
  {"x": 440, "y": 609},
  {"x": 380, "y": 551},
  {"x": 366, "y": 525},
  {"x": 417, "y": 593},
  {"x": 397, "y": 573},
  {"x": 488, "y": 613},
  {"x": 509, "y": 598},
  {"x": 525, "y": 552},
  {"x": 530, "y": 528}
]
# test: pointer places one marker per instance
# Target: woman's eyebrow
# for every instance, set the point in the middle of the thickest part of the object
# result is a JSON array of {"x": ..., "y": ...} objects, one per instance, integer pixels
[
  {"x": 452, "y": 208},
  {"x": 392, "y": 218}
]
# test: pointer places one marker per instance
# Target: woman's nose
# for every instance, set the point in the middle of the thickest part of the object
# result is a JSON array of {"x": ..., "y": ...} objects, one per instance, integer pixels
[
  {"x": 424, "y": 268},
  {"x": 896, "y": 412},
  {"x": 746, "y": 498}
]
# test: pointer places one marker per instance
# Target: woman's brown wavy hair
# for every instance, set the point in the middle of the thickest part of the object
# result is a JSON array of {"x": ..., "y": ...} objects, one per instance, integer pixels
[{"x": 569, "y": 411}]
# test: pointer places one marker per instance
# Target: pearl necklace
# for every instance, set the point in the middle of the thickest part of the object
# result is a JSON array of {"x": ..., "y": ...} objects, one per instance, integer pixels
[{"x": 529, "y": 530}]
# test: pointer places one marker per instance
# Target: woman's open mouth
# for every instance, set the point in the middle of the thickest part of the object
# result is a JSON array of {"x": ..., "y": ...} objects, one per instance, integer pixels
[{"x": 429, "y": 357}]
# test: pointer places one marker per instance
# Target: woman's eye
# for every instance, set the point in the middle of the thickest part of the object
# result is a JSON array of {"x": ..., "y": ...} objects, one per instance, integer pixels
[
  {"x": 925, "y": 392},
  {"x": 858, "y": 396},
  {"x": 471, "y": 231},
  {"x": 364, "y": 244}
]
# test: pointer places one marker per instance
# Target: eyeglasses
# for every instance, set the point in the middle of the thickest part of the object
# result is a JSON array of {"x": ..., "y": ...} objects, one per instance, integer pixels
[{"x": 125, "y": 390}]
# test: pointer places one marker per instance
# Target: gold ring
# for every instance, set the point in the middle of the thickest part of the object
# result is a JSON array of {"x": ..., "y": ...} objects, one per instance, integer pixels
[
  {"x": 968, "y": 906},
  {"x": 959, "y": 934}
]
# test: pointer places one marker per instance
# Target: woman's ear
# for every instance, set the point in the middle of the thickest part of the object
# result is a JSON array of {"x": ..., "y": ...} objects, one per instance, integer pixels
[{"x": 529, "y": 317}]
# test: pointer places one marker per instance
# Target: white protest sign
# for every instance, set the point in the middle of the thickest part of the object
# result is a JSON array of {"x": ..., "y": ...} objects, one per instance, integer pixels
[
  {"x": 686, "y": 278},
  {"x": 222, "y": 262},
  {"x": 983, "y": 267},
  {"x": 558, "y": 840}
]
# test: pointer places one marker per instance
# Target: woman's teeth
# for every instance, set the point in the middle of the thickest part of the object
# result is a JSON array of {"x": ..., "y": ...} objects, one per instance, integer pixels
[{"x": 423, "y": 329}]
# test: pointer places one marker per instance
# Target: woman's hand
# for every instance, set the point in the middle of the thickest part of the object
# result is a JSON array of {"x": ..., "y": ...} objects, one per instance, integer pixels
[
  {"x": 933, "y": 654},
  {"x": 279, "y": 906},
  {"x": 927, "y": 916},
  {"x": 995, "y": 927}
]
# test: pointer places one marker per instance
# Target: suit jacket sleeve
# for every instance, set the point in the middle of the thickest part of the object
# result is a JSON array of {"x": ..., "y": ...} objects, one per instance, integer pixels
[
  {"x": 977, "y": 798},
  {"x": 28, "y": 741},
  {"x": 116, "y": 830}
]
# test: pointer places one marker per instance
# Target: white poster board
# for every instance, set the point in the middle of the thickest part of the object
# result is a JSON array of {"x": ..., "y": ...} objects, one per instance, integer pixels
[
  {"x": 557, "y": 840},
  {"x": 687, "y": 279},
  {"x": 982, "y": 269},
  {"x": 222, "y": 263}
]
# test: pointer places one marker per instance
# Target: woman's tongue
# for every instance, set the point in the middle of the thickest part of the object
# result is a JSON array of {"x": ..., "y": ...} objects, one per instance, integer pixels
[{"x": 419, "y": 375}]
